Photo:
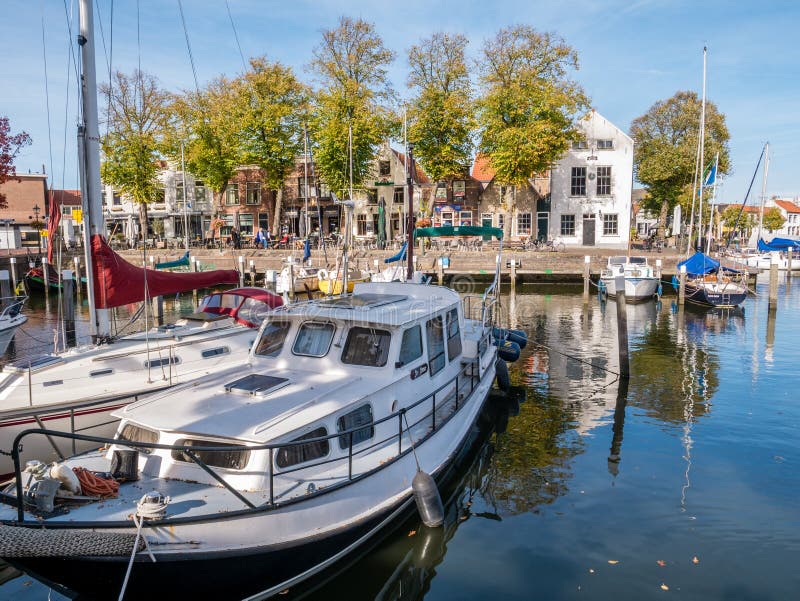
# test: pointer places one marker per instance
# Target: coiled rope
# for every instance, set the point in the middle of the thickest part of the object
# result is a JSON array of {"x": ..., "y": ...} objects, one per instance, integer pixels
[
  {"x": 94, "y": 486},
  {"x": 152, "y": 506}
]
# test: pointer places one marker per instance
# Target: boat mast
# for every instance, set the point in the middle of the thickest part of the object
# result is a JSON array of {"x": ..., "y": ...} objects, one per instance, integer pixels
[
  {"x": 185, "y": 214},
  {"x": 763, "y": 192},
  {"x": 307, "y": 221},
  {"x": 702, "y": 156},
  {"x": 410, "y": 212},
  {"x": 92, "y": 201}
]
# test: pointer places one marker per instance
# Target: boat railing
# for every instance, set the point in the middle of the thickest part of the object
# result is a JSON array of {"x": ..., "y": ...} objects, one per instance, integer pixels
[
  {"x": 12, "y": 305},
  {"x": 402, "y": 431}
]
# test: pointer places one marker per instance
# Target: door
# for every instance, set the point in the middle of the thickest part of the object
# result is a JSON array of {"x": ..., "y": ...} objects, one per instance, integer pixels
[
  {"x": 486, "y": 221},
  {"x": 543, "y": 226},
  {"x": 588, "y": 230}
]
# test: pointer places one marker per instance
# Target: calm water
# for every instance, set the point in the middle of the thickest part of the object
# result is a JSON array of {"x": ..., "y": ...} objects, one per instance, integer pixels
[{"x": 685, "y": 484}]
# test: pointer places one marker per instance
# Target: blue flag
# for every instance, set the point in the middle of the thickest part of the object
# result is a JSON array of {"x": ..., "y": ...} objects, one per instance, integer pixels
[
  {"x": 711, "y": 175},
  {"x": 306, "y": 251}
]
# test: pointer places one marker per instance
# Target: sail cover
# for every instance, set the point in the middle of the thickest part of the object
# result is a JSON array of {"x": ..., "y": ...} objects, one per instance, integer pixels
[
  {"x": 117, "y": 282},
  {"x": 701, "y": 264},
  {"x": 778, "y": 244}
]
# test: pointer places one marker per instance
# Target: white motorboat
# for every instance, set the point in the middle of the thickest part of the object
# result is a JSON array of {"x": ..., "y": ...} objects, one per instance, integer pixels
[
  {"x": 11, "y": 317},
  {"x": 641, "y": 280},
  {"x": 297, "y": 278},
  {"x": 77, "y": 390},
  {"x": 763, "y": 260},
  {"x": 288, "y": 460}
]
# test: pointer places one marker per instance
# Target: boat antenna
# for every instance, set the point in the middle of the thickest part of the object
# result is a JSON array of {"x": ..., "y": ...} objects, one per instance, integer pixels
[{"x": 410, "y": 212}]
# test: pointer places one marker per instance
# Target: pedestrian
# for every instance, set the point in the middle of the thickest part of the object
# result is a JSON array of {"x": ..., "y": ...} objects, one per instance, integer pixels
[
  {"x": 235, "y": 239},
  {"x": 260, "y": 240}
]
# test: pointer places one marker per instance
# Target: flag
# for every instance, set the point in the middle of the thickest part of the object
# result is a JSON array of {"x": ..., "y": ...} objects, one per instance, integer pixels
[{"x": 710, "y": 175}]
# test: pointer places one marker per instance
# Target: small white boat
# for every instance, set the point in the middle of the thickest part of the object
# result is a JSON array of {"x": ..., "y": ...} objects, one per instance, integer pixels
[
  {"x": 11, "y": 317},
  {"x": 763, "y": 261},
  {"x": 297, "y": 278},
  {"x": 77, "y": 390},
  {"x": 641, "y": 280}
]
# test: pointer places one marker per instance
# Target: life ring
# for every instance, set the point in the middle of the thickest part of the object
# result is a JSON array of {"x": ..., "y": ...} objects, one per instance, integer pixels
[{"x": 322, "y": 275}]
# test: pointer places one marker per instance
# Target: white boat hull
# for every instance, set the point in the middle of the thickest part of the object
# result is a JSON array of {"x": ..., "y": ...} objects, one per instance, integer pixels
[
  {"x": 8, "y": 326},
  {"x": 636, "y": 288}
]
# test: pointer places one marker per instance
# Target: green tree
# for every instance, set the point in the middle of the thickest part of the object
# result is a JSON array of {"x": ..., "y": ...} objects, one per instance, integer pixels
[
  {"x": 272, "y": 107},
  {"x": 351, "y": 65},
  {"x": 212, "y": 138},
  {"x": 773, "y": 219},
  {"x": 138, "y": 116},
  {"x": 441, "y": 115},
  {"x": 733, "y": 218},
  {"x": 666, "y": 140},
  {"x": 529, "y": 106}
]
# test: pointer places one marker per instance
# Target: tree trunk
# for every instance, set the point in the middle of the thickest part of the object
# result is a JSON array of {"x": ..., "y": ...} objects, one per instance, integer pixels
[
  {"x": 661, "y": 231},
  {"x": 276, "y": 217},
  {"x": 143, "y": 221}
]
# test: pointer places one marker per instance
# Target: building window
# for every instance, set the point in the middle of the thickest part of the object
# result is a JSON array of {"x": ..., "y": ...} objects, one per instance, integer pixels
[
  {"x": 580, "y": 145},
  {"x": 610, "y": 225},
  {"x": 263, "y": 221},
  {"x": 199, "y": 190},
  {"x": 395, "y": 223},
  {"x": 253, "y": 195},
  {"x": 66, "y": 210},
  {"x": 399, "y": 195},
  {"x": 501, "y": 221},
  {"x": 466, "y": 218},
  {"x": 524, "y": 224},
  {"x": 447, "y": 218},
  {"x": 568, "y": 225},
  {"x": 605, "y": 145},
  {"x": 361, "y": 225},
  {"x": 227, "y": 226},
  {"x": 372, "y": 196},
  {"x": 246, "y": 224},
  {"x": 604, "y": 181},
  {"x": 180, "y": 195},
  {"x": 578, "y": 181},
  {"x": 384, "y": 168},
  {"x": 160, "y": 196},
  {"x": 232, "y": 194}
]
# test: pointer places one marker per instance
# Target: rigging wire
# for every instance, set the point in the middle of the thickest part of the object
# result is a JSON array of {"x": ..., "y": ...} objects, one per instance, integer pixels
[
  {"x": 189, "y": 47},
  {"x": 47, "y": 96},
  {"x": 235, "y": 35}
]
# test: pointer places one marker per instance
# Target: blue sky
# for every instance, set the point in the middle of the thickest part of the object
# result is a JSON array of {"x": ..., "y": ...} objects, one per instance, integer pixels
[{"x": 632, "y": 53}]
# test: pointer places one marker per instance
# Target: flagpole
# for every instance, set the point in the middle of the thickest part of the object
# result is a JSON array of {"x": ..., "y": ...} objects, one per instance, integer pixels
[{"x": 763, "y": 192}]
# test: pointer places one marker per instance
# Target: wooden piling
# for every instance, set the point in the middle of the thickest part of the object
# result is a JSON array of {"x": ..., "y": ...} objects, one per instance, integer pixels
[
  {"x": 252, "y": 270},
  {"x": 682, "y": 286},
  {"x": 158, "y": 310},
  {"x": 5, "y": 288},
  {"x": 241, "y": 271},
  {"x": 773, "y": 281},
  {"x": 78, "y": 288},
  {"x": 513, "y": 274},
  {"x": 622, "y": 328},
  {"x": 586, "y": 264},
  {"x": 788, "y": 262},
  {"x": 13, "y": 265},
  {"x": 46, "y": 278},
  {"x": 440, "y": 270},
  {"x": 68, "y": 298}
]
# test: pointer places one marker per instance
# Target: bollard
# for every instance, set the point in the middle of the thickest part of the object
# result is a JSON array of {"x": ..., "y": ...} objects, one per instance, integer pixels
[
  {"x": 13, "y": 261},
  {"x": 788, "y": 262},
  {"x": 291, "y": 280},
  {"x": 439, "y": 271},
  {"x": 195, "y": 269},
  {"x": 773, "y": 281},
  {"x": 586, "y": 261},
  {"x": 68, "y": 285},
  {"x": 252, "y": 273},
  {"x": 241, "y": 271},
  {"x": 622, "y": 328},
  {"x": 5, "y": 288},
  {"x": 78, "y": 288},
  {"x": 158, "y": 310},
  {"x": 46, "y": 278},
  {"x": 682, "y": 286}
]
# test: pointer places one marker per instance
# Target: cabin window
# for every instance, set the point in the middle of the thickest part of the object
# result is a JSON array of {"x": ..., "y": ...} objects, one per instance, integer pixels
[
  {"x": 411, "y": 347},
  {"x": 367, "y": 346},
  {"x": 133, "y": 433},
  {"x": 253, "y": 311},
  {"x": 289, "y": 456},
  {"x": 314, "y": 339},
  {"x": 272, "y": 338},
  {"x": 453, "y": 335},
  {"x": 358, "y": 417},
  {"x": 101, "y": 372},
  {"x": 162, "y": 361},
  {"x": 53, "y": 383},
  {"x": 435, "y": 334},
  {"x": 215, "y": 352},
  {"x": 229, "y": 459}
]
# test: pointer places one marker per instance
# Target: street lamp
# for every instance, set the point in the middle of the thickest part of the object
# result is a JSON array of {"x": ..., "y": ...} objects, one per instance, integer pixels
[{"x": 36, "y": 209}]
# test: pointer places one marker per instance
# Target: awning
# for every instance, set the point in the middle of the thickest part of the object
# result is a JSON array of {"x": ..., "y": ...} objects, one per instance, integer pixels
[{"x": 463, "y": 230}]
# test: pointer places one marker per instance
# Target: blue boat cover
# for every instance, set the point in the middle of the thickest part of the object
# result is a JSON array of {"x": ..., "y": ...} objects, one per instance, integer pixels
[
  {"x": 401, "y": 254},
  {"x": 778, "y": 244},
  {"x": 182, "y": 262},
  {"x": 701, "y": 264}
]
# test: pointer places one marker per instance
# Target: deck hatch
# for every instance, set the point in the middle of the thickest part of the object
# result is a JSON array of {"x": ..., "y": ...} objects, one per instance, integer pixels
[{"x": 255, "y": 384}]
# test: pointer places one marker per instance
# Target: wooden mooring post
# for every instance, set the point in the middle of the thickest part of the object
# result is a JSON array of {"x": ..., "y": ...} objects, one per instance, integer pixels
[
  {"x": 788, "y": 262},
  {"x": 622, "y": 328},
  {"x": 252, "y": 267},
  {"x": 586, "y": 275},
  {"x": 78, "y": 288},
  {"x": 68, "y": 298},
  {"x": 158, "y": 310},
  {"x": 682, "y": 286},
  {"x": 440, "y": 270},
  {"x": 773, "y": 281},
  {"x": 241, "y": 271},
  {"x": 46, "y": 278},
  {"x": 193, "y": 261},
  {"x": 513, "y": 274},
  {"x": 13, "y": 265},
  {"x": 5, "y": 288}
]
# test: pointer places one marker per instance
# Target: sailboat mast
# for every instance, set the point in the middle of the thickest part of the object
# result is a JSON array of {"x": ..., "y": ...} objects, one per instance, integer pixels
[
  {"x": 702, "y": 154},
  {"x": 92, "y": 201},
  {"x": 307, "y": 221},
  {"x": 410, "y": 212},
  {"x": 763, "y": 192}
]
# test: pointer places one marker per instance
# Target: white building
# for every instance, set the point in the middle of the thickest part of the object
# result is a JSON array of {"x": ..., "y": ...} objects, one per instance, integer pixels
[
  {"x": 791, "y": 213},
  {"x": 591, "y": 188}
]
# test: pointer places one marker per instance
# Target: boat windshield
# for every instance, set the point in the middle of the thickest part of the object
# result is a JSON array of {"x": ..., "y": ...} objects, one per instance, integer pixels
[
  {"x": 272, "y": 338},
  {"x": 252, "y": 312}
]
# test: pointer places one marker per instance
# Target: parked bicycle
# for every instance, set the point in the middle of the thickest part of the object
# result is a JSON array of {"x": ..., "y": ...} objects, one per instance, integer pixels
[{"x": 556, "y": 245}]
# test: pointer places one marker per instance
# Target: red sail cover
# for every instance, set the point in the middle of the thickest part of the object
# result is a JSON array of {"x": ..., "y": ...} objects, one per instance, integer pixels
[
  {"x": 117, "y": 282},
  {"x": 53, "y": 219}
]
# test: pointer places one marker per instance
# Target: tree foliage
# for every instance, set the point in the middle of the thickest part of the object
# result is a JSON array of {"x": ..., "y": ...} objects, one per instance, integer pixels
[
  {"x": 773, "y": 219},
  {"x": 666, "y": 139},
  {"x": 529, "y": 107},
  {"x": 272, "y": 107},
  {"x": 10, "y": 145},
  {"x": 137, "y": 113},
  {"x": 210, "y": 134},
  {"x": 441, "y": 115},
  {"x": 351, "y": 66}
]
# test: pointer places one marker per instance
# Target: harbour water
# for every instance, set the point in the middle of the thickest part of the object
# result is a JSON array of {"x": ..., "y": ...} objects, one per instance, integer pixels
[{"x": 682, "y": 482}]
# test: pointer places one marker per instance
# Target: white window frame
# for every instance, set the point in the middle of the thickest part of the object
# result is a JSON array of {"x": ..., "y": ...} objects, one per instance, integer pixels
[{"x": 530, "y": 224}]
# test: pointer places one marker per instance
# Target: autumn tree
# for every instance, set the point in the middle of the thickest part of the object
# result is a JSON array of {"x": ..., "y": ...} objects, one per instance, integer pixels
[
  {"x": 351, "y": 67},
  {"x": 773, "y": 219},
  {"x": 10, "y": 145},
  {"x": 666, "y": 139},
  {"x": 210, "y": 135},
  {"x": 529, "y": 106},
  {"x": 136, "y": 109},
  {"x": 441, "y": 114},
  {"x": 272, "y": 106}
]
